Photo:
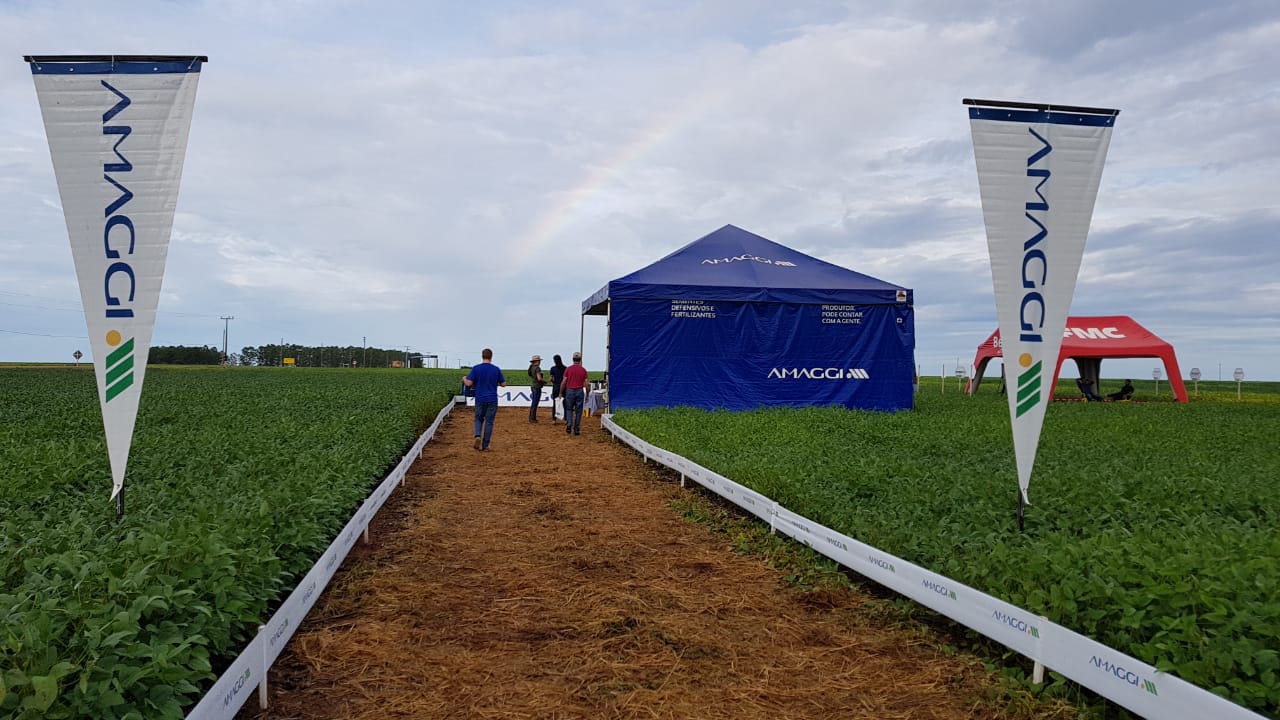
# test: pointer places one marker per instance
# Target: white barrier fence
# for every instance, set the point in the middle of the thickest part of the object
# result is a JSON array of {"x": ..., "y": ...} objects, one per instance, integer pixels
[
  {"x": 1125, "y": 680},
  {"x": 249, "y": 670}
]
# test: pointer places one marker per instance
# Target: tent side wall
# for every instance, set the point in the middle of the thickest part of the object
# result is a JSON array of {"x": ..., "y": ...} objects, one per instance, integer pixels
[{"x": 742, "y": 355}]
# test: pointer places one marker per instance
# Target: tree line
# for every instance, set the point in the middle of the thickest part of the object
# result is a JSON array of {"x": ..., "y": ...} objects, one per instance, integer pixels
[
  {"x": 183, "y": 355},
  {"x": 275, "y": 355},
  {"x": 324, "y": 356}
]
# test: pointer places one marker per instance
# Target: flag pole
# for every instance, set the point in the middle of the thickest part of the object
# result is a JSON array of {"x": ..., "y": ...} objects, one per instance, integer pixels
[{"x": 1021, "y": 512}]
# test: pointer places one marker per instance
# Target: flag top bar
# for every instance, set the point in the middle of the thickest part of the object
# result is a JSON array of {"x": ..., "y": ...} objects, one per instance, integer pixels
[
  {"x": 116, "y": 58},
  {"x": 1042, "y": 107},
  {"x": 114, "y": 64}
]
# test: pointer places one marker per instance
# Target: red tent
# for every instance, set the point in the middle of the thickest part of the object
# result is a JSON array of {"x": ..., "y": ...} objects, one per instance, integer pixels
[{"x": 1088, "y": 340}]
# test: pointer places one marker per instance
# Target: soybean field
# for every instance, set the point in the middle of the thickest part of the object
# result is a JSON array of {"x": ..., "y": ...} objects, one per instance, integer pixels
[{"x": 1154, "y": 526}]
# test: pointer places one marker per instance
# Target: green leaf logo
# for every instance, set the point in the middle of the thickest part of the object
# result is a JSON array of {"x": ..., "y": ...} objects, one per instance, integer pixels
[
  {"x": 1028, "y": 389},
  {"x": 120, "y": 369}
]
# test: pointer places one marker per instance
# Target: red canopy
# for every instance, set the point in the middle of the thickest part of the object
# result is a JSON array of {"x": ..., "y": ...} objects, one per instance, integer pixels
[{"x": 1088, "y": 340}]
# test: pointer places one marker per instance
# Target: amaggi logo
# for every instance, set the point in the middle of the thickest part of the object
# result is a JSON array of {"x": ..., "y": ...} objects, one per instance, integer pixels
[
  {"x": 819, "y": 373},
  {"x": 1033, "y": 254},
  {"x": 275, "y": 637},
  {"x": 1016, "y": 623},
  {"x": 1122, "y": 674},
  {"x": 236, "y": 687},
  {"x": 119, "y": 365},
  {"x": 942, "y": 590},
  {"x": 756, "y": 258},
  {"x": 881, "y": 563}
]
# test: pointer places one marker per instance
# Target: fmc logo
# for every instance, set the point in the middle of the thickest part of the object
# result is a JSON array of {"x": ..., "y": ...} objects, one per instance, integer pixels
[
  {"x": 1033, "y": 255},
  {"x": 1093, "y": 333},
  {"x": 119, "y": 365},
  {"x": 819, "y": 373}
]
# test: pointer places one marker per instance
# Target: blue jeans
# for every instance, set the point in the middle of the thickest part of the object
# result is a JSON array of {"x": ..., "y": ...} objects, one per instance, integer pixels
[
  {"x": 573, "y": 399},
  {"x": 485, "y": 413},
  {"x": 536, "y": 392}
]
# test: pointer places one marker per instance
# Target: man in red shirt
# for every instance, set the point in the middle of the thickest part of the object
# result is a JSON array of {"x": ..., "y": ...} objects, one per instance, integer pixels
[{"x": 575, "y": 394}]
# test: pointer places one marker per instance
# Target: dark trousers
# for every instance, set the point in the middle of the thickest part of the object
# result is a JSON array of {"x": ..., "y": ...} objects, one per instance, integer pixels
[
  {"x": 573, "y": 400},
  {"x": 533, "y": 404},
  {"x": 485, "y": 414}
]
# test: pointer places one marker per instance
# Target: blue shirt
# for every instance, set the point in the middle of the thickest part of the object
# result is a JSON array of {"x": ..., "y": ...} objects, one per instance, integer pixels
[{"x": 486, "y": 377}]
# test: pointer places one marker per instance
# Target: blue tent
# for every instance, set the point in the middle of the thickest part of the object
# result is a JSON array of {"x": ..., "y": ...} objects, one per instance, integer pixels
[{"x": 733, "y": 320}]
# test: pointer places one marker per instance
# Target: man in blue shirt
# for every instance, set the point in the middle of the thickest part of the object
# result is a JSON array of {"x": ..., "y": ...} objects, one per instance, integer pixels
[{"x": 485, "y": 379}]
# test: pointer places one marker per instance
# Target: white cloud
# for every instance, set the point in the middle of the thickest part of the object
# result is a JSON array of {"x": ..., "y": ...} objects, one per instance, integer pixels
[{"x": 455, "y": 176}]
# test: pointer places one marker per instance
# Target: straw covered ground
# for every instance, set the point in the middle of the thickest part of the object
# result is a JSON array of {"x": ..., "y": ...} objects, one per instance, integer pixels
[{"x": 550, "y": 578}]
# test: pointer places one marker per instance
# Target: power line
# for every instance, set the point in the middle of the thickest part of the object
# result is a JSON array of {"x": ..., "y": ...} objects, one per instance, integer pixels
[
  {"x": 42, "y": 307},
  {"x": 19, "y": 332},
  {"x": 78, "y": 309}
]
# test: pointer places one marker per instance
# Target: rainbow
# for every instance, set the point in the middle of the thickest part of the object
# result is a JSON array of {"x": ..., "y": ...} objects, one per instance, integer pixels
[{"x": 561, "y": 213}]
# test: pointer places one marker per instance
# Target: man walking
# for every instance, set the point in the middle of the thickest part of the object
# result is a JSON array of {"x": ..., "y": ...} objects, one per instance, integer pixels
[
  {"x": 575, "y": 394},
  {"x": 485, "y": 379}
]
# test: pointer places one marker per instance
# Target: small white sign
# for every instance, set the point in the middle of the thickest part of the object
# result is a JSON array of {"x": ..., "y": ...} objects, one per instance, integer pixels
[
  {"x": 1195, "y": 374},
  {"x": 1239, "y": 374},
  {"x": 1155, "y": 374}
]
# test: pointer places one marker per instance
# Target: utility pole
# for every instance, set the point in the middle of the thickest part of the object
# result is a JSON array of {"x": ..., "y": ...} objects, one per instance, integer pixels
[
  {"x": 364, "y": 359},
  {"x": 406, "y": 356},
  {"x": 226, "y": 323}
]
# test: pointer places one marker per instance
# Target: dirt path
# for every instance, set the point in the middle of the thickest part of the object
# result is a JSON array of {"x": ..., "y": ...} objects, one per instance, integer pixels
[{"x": 548, "y": 578}]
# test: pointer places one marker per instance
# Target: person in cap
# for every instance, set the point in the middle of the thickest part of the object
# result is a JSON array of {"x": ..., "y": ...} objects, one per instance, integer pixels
[
  {"x": 536, "y": 381},
  {"x": 575, "y": 394}
]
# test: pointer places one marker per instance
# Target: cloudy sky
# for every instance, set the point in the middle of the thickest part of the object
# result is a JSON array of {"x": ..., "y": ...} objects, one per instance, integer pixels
[{"x": 450, "y": 175}]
